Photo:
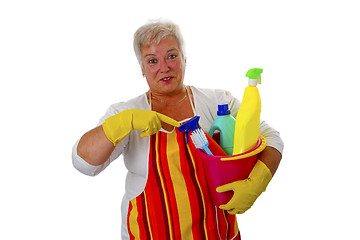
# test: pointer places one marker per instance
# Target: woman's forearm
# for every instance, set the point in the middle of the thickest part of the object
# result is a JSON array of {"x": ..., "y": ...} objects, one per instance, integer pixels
[
  {"x": 271, "y": 157},
  {"x": 94, "y": 147}
]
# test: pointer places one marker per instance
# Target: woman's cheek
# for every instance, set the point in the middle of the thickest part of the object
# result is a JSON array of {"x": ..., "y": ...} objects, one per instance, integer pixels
[
  {"x": 153, "y": 69},
  {"x": 176, "y": 65}
]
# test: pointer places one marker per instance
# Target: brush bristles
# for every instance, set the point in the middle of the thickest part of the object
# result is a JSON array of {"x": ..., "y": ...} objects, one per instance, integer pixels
[{"x": 199, "y": 139}]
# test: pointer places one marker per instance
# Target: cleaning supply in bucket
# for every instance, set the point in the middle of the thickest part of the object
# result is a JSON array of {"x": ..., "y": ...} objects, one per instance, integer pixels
[
  {"x": 200, "y": 141},
  {"x": 221, "y": 169},
  {"x": 197, "y": 135},
  {"x": 248, "y": 117},
  {"x": 225, "y": 124}
]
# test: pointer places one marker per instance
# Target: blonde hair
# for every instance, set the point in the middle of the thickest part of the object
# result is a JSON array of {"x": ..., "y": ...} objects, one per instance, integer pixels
[{"x": 154, "y": 32}]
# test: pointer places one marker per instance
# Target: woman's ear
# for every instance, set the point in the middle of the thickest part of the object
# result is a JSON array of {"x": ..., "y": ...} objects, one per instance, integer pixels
[{"x": 142, "y": 71}]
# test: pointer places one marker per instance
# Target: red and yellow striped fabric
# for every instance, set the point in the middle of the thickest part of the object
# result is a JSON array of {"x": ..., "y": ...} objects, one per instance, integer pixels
[{"x": 176, "y": 202}]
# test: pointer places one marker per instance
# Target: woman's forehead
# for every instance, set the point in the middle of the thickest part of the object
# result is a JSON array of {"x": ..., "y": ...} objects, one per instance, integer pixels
[{"x": 165, "y": 45}]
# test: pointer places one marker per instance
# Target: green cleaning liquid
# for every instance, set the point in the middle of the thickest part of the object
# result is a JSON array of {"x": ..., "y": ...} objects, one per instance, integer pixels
[{"x": 225, "y": 124}]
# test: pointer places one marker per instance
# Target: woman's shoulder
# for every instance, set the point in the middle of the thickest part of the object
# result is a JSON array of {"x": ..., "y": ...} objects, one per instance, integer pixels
[
  {"x": 139, "y": 102},
  {"x": 207, "y": 101},
  {"x": 217, "y": 96}
]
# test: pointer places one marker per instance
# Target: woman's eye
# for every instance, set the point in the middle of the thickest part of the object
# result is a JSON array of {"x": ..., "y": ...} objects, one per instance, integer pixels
[
  {"x": 152, "y": 61},
  {"x": 172, "y": 56}
]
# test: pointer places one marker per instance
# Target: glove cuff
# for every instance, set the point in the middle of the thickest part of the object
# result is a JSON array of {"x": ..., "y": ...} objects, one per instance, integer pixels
[
  {"x": 261, "y": 174},
  {"x": 117, "y": 127}
]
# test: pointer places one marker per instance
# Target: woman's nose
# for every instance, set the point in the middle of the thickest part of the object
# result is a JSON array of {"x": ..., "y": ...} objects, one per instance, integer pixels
[{"x": 164, "y": 67}]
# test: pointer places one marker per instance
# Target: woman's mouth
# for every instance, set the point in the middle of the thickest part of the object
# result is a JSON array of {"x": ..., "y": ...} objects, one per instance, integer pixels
[{"x": 166, "y": 78}]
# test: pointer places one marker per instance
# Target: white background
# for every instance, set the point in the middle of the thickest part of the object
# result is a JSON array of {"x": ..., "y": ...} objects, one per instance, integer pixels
[{"x": 62, "y": 63}]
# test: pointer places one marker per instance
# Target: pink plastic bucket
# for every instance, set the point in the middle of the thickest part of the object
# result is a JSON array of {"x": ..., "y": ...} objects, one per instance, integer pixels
[{"x": 221, "y": 170}]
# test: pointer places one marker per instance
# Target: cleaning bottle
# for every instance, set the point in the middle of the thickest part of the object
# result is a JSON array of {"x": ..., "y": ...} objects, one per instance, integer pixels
[
  {"x": 248, "y": 117},
  {"x": 225, "y": 124}
]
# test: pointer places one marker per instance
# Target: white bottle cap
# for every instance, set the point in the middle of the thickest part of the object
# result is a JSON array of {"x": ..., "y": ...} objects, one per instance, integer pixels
[{"x": 252, "y": 82}]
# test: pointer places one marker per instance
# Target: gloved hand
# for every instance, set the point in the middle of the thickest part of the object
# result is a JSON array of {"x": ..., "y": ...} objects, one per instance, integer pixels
[
  {"x": 248, "y": 190},
  {"x": 119, "y": 125}
]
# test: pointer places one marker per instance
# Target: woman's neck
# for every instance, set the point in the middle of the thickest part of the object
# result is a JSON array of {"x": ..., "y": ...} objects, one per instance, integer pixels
[
  {"x": 180, "y": 111},
  {"x": 171, "y": 99}
]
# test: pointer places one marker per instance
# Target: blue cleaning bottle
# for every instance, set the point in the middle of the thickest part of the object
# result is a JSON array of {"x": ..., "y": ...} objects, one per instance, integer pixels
[{"x": 225, "y": 124}]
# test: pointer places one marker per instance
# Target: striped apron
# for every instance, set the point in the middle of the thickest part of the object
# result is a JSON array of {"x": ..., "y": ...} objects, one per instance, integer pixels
[{"x": 176, "y": 202}]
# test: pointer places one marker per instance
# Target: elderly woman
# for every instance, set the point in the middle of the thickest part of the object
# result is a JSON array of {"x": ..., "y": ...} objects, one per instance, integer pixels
[{"x": 166, "y": 194}]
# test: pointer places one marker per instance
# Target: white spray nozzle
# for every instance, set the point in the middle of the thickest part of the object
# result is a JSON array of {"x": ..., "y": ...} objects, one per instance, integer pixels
[{"x": 254, "y": 76}]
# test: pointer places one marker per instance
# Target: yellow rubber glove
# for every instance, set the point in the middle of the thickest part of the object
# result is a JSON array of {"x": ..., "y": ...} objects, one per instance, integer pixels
[
  {"x": 248, "y": 190},
  {"x": 118, "y": 126}
]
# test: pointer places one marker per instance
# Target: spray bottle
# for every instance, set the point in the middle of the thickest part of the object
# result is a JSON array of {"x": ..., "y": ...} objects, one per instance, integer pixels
[
  {"x": 248, "y": 117},
  {"x": 225, "y": 124}
]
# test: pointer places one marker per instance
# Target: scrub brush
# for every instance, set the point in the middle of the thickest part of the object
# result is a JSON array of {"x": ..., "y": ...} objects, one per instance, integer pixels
[
  {"x": 197, "y": 135},
  {"x": 200, "y": 141}
]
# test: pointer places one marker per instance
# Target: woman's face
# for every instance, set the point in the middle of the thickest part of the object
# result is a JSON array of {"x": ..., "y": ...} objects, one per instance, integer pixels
[{"x": 164, "y": 66}]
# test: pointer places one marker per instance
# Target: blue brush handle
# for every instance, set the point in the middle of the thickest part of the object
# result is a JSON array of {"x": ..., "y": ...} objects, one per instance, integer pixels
[{"x": 207, "y": 150}]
